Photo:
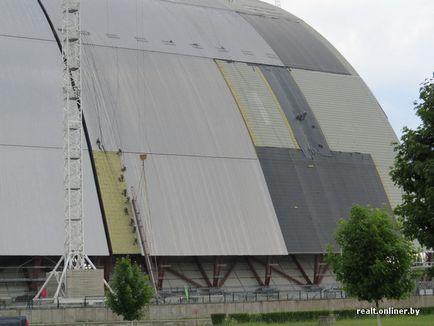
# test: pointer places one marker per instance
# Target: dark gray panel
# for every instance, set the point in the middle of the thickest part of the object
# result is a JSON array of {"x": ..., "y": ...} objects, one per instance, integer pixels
[
  {"x": 295, "y": 45},
  {"x": 311, "y": 195},
  {"x": 300, "y": 117},
  {"x": 351, "y": 119}
]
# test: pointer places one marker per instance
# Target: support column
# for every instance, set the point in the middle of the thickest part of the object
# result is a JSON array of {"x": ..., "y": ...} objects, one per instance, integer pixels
[
  {"x": 317, "y": 267},
  {"x": 228, "y": 272},
  {"x": 183, "y": 277},
  {"x": 216, "y": 270},
  {"x": 268, "y": 271},
  {"x": 255, "y": 273},
  {"x": 202, "y": 272},
  {"x": 300, "y": 268},
  {"x": 160, "y": 272},
  {"x": 108, "y": 267},
  {"x": 281, "y": 273},
  {"x": 323, "y": 271}
]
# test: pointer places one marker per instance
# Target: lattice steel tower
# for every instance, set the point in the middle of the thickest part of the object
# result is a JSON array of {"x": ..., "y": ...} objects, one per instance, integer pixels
[
  {"x": 75, "y": 258},
  {"x": 74, "y": 255}
]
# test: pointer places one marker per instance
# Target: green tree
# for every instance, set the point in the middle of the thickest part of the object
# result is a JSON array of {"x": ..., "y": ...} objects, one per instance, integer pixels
[
  {"x": 131, "y": 290},
  {"x": 375, "y": 260},
  {"x": 413, "y": 171}
]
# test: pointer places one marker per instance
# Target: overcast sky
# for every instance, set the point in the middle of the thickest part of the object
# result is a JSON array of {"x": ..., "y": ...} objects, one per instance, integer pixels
[{"x": 389, "y": 42}]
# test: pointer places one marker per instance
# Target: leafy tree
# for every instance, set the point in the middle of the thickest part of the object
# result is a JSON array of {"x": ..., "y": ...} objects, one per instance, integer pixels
[
  {"x": 375, "y": 260},
  {"x": 414, "y": 171},
  {"x": 131, "y": 290}
]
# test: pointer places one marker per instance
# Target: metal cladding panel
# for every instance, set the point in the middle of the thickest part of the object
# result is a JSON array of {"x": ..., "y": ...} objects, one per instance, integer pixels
[
  {"x": 200, "y": 206},
  {"x": 351, "y": 119},
  {"x": 218, "y": 4},
  {"x": 31, "y": 154},
  {"x": 311, "y": 195},
  {"x": 30, "y": 92},
  {"x": 160, "y": 103},
  {"x": 170, "y": 27},
  {"x": 331, "y": 48},
  {"x": 23, "y": 18},
  {"x": 261, "y": 111},
  {"x": 31, "y": 204},
  {"x": 295, "y": 45},
  {"x": 303, "y": 123},
  {"x": 118, "y": 210},
  {"x": 258, "y": 8}
]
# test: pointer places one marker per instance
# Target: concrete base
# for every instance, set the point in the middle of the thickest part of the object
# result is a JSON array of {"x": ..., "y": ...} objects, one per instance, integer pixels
[
  {"x": 169, "y": 313},
  {"x": 84, "y": 283}
]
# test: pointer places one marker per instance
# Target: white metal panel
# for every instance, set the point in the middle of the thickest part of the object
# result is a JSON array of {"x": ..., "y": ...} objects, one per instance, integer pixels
[
  {"x": 30, "y": 92},
  {"x": 199, "y": 206},
  {"x": 31, "y": 203},
  {"x": 267, "y": 123},
  {"x": 23, "y": 18},
  {"x": 218, "y": 4},
  {"x": 31, "y": 154},
  {"x": 261, "y": 8},
  {"x": 351, "y": 119},
  {"x": 170, "y": 27},
  {"x": 160, "y": 103}
]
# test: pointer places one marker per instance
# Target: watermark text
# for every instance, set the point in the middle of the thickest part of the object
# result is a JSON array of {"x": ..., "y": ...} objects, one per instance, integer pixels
[{"x": 388, "y": 311}]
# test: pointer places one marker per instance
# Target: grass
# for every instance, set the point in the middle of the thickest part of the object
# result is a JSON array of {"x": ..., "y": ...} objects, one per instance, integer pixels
[{"x": 424, "y": 320}]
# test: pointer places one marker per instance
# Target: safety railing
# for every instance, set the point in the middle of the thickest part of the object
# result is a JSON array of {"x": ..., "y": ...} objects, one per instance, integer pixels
[{"x": 201, "y": 296}]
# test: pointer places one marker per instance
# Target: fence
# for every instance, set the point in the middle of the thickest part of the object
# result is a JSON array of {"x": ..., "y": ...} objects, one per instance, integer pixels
[{"x": 177, "y": 296}]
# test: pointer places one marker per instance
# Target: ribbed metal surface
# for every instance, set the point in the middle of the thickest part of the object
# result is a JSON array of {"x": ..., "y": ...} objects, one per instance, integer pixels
[
  {"x": 170, "y": 27},
  {"x": 259, "y": 8},
  {"x": 295, "y": 45},
  {"x": 351, "y": 119},
  {"x": 31, "y": 154},
  {"x": 331, "y": 48},
  {"x": 218, "y": 4},
  {"x": 23, "y": 18},
  {"x": 118, "y": 210},
  {"x": 306, "y": 129},
  {"x": 160, "y": 103},
  {"x": 204, "y": 206},
  {"x": 31, "y": 202},
  {"x": 30, "y": 92},
  {"x": 261, "y": 111},
  {"x": 311, "y": 195}
]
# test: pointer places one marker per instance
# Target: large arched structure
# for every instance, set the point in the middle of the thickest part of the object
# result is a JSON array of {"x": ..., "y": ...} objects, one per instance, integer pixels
[{"x": 258, "y": 137}]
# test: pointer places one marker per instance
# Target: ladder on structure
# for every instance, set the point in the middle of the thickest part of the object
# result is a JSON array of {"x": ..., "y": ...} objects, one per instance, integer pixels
[{"x": 142, "y": 237}]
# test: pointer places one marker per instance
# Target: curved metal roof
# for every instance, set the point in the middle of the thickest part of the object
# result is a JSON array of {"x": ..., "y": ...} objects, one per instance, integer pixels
[{"x": 151, "y": 84}]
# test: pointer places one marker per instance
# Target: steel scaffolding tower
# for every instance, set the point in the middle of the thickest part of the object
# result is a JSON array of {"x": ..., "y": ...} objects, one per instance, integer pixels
[{"x": 74, "y": 257}]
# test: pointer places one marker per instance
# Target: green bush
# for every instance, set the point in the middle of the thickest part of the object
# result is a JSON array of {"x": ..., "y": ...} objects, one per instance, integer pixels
[
  {"x": 426, "y": 311},
  {"x": 293, "y": 316},
  {"x": 218, "y": 319},
  {"x": 240, "y": 318},
  {"x": 131, "y": 290}
]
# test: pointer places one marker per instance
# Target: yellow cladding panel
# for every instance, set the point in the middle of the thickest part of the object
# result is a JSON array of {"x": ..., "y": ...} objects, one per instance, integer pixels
[
  {"x": 261, "y": 111},
  {"x": 117, "y": 208}
]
